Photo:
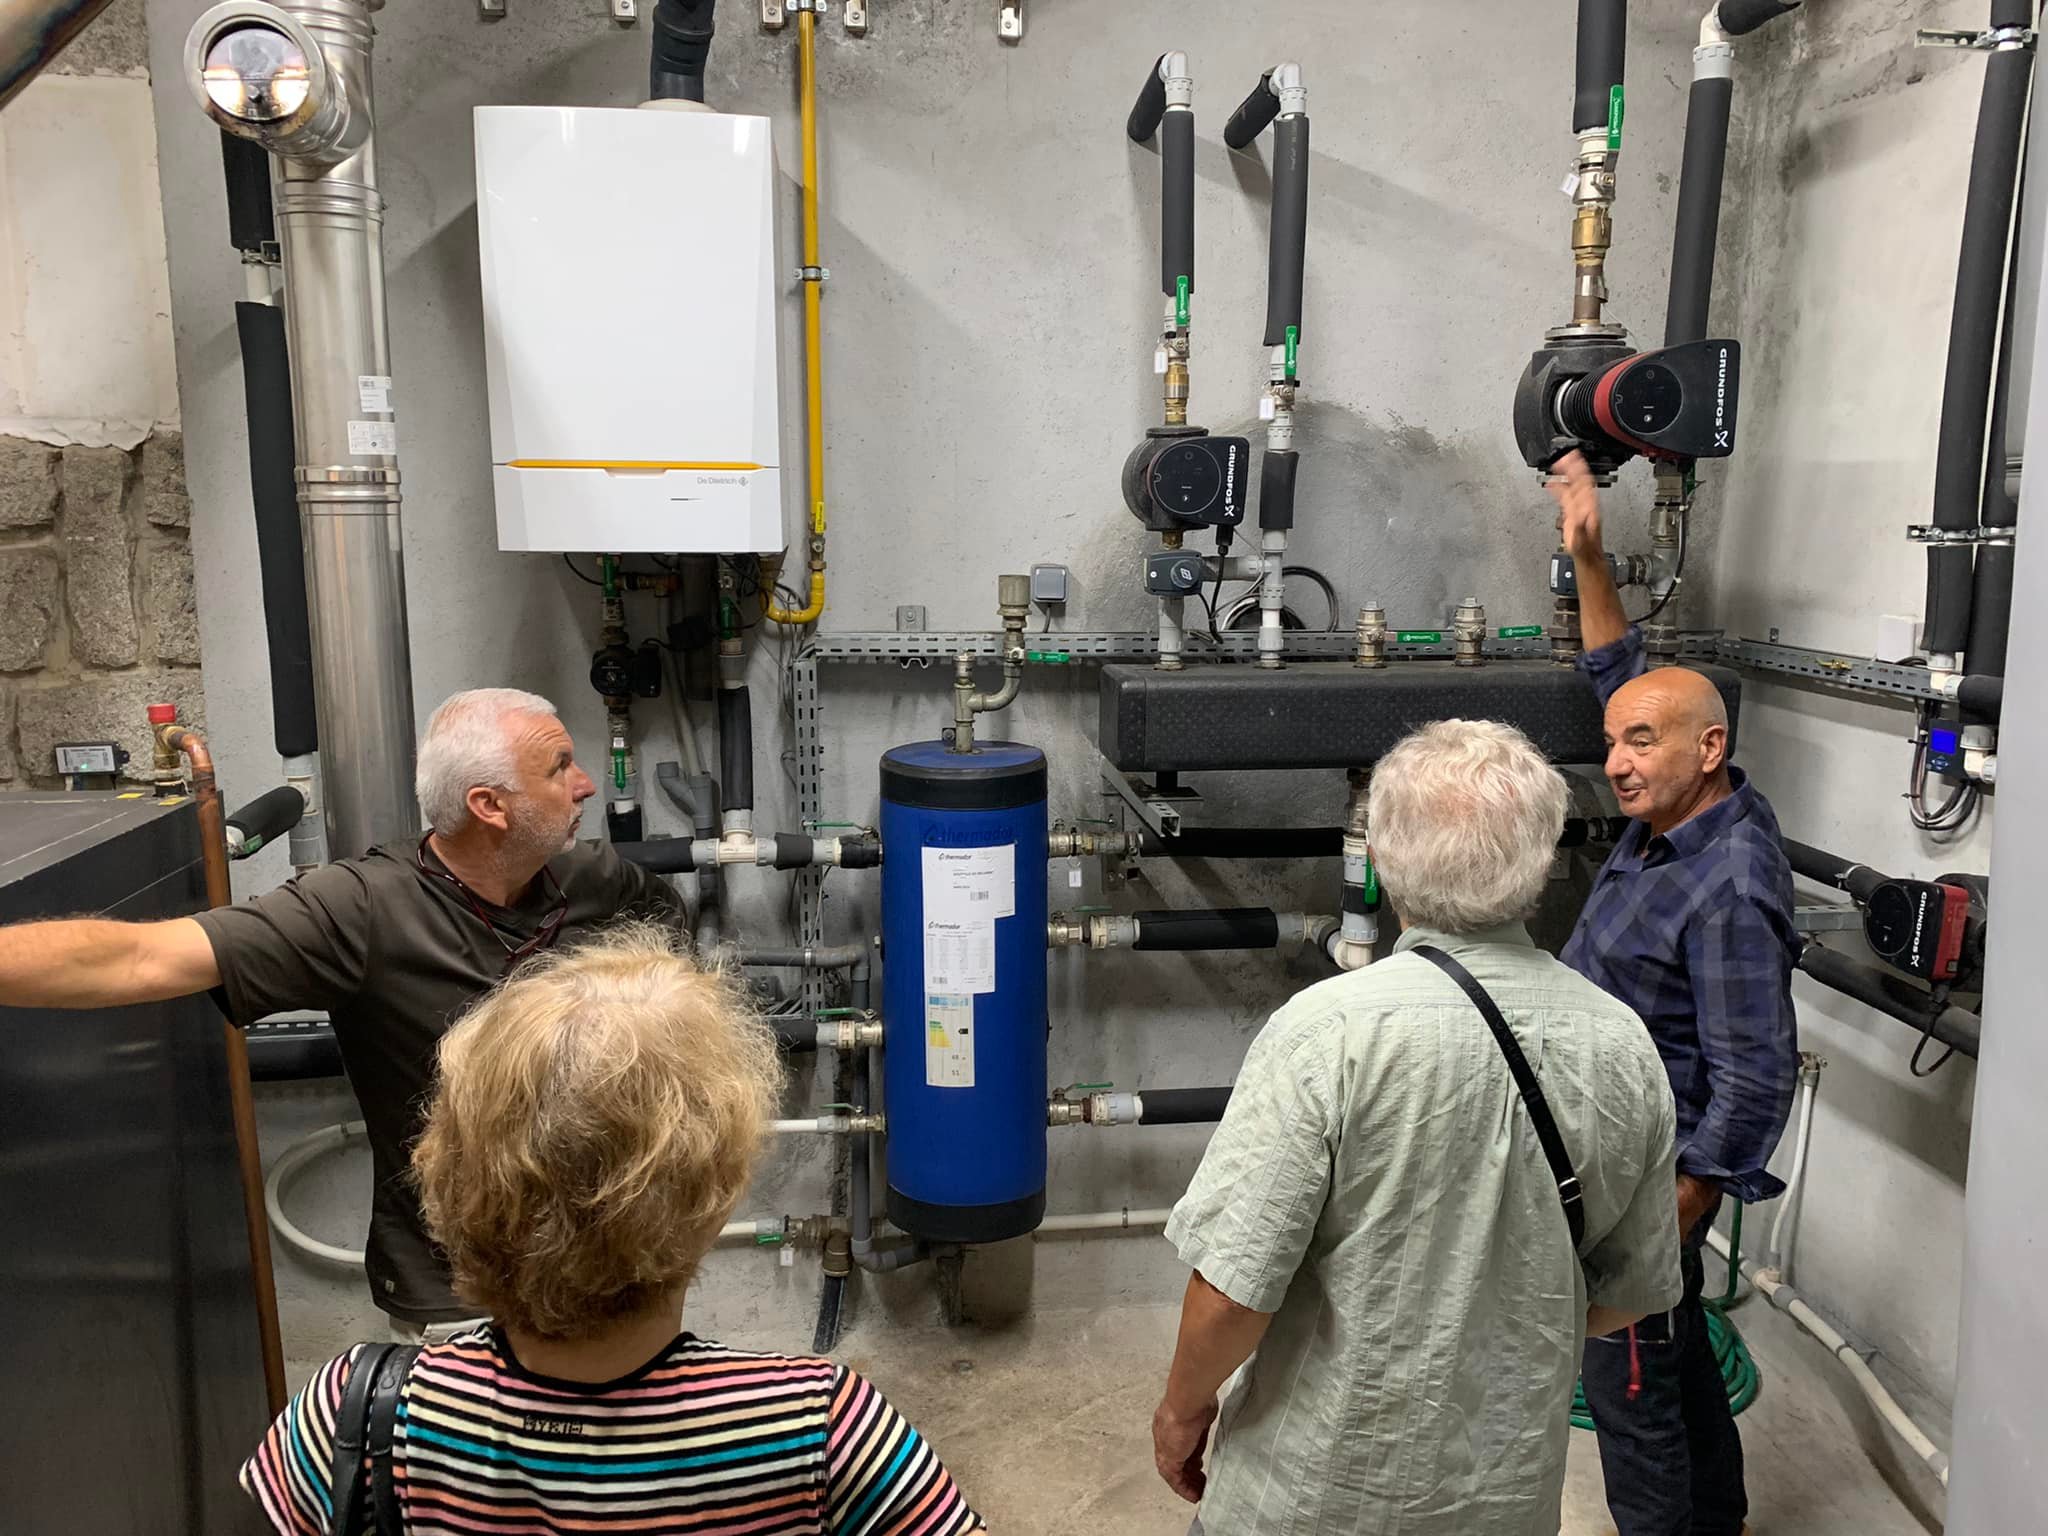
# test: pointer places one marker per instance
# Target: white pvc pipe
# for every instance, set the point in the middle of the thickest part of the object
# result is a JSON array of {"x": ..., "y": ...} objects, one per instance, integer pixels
[
  {"x": 1788, "y": 1301},
  {"x": 289, "y": 1164},
  {"x": 1105, "y": 1221},
  {"x": 1781, "y": 1256}
]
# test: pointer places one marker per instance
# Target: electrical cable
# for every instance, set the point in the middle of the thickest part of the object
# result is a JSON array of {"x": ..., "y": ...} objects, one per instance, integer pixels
[
  {"x": 1939, "y": 995},
  {"x": 592, "y": 580}
]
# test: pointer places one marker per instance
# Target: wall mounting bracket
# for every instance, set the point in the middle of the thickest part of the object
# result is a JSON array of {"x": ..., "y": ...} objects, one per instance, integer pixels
[
  {"x": 1999, "y": 38},
  {"x": 1010, "y": 21}
]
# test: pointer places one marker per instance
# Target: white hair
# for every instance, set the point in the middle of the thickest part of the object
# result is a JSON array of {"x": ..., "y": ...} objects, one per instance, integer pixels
[
  {"x": 466, "y": 746},
  {"x": 1465, "y": 819}
]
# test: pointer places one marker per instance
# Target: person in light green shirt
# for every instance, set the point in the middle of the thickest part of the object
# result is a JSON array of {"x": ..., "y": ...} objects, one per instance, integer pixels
[{"x": 1375, "y": 1235}]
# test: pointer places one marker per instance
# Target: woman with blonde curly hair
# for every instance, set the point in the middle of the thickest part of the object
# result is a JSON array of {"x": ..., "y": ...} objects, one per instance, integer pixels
[{"x": 595, "y": 1122}]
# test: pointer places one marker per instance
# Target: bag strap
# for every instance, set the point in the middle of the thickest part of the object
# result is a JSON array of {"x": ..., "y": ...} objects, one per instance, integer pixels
[
  {"x": 384, "y": 1396},
  {"x": 351, "y": 1435},
  {"x": 1569, "y": 1194}
]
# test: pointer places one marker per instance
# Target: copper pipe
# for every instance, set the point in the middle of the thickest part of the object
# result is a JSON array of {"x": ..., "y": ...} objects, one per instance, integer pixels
[{"x": 213, "y": 842}]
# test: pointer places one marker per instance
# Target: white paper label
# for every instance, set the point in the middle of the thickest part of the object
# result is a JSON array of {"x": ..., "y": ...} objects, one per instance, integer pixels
[
  {"x": 373, "y": 437},
  {"x": 948, "y": 1040},
  {"x": 960, "y": 957},
  {"x": 970, "y": 883},
  {"x": 1074, "y": 877},
  {"x": 374, "y": 390},
  {"x": 1159, "y": 361}
]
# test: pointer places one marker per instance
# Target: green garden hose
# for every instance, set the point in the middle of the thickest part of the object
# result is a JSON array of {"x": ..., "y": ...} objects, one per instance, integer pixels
[{"x": 1738, "y": 1370}]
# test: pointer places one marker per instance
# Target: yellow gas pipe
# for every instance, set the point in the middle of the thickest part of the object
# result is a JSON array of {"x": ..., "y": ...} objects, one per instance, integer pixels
[{"x": 814, "y": 384}]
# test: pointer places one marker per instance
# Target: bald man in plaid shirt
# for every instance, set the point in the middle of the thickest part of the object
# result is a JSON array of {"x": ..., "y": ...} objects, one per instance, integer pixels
[{"x": 1690, "y": 924}]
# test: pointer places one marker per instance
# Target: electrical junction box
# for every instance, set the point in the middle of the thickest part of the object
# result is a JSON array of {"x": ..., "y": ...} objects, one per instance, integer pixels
[
  {"x": 631, "y": 307},
  {"x": 1048, "y": 584}
]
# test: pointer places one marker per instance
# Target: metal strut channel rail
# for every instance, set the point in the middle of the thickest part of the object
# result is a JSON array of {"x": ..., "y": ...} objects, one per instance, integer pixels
[{"x": 1853, "y": 674}]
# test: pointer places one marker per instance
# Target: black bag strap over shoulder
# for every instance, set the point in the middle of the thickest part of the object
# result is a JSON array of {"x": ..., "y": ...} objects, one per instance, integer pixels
[
  {"x": 363, "y": 1429},
  {"x": 1569, "y": 1194}
]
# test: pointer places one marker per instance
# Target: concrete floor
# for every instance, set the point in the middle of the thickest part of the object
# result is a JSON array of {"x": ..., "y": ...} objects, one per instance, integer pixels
[
  {"x": 1043, "y": 1413},
  {"x": 1045, "y": 1420}
]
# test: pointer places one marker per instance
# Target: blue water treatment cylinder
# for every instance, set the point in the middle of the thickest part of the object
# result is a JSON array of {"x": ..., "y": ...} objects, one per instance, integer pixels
[{"x": 963, "y": 989}]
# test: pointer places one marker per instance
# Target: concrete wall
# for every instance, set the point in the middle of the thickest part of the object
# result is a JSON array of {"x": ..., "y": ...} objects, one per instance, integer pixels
[
  {"x": 1842, "y": 264},
  {"x": 990, "y": 323},
  {"x": 97, "y": 615}
]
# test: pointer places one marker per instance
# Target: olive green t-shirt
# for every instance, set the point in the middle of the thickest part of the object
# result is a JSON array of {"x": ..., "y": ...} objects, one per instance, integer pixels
[{"x": 395, "y": 957}]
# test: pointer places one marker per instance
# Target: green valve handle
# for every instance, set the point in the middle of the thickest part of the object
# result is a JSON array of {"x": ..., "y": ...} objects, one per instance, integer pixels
[
  {"x": 1418, "y": 637},
  {"x": 1522, "y": 632},
  {"x": 767, "y": 1239},
  {"x": 1293, "y": 343},
  {"x": 1050, "y": 658},
  {"x": 1372, "y": 883},
  {"x": 1180, "y": 302},
  {"x": 1614, "y": 118}
]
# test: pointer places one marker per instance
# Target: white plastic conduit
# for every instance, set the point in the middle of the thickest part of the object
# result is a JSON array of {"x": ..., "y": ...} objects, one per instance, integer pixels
[{"x": 1788, "y": 1301}]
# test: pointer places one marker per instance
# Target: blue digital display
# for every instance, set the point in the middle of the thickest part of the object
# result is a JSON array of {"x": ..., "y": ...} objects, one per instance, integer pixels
[{"x": 1944, "y": 750}]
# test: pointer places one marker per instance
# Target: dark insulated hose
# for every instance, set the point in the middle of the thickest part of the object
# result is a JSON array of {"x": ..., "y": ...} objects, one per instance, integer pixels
[
  {"x": 736, "y": 748},
  {"x": 1176, "y": 201},
  {"x": 1973, "y": 332},
  {"x": 1252, "y": 114},
  {"x": 1288, "y": 239},
  {"x": 1149, "y": 107},
  {"x": 280, "y": 561},
  {"x": 1223, "y": 928},
  {"x": 1699, "y": 209},
  {"x": 1603, "y": 46},
  {"x": 1184, "y": 1106}
]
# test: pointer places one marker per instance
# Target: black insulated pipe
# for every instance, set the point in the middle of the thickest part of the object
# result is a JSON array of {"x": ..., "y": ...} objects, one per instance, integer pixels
[
  {"x": 660, "y": 855},
  {"x": 1277, "y": 471},
  {"x": 681, "y": 44},
  {"x": 1319, "y": 842},
  {"x": 1603, "y": 46},
  {"x": 1183, "y": 1106},
  {"x": 1699, "y": 208},
  {"x": 1150, "y": 105},
  {"x": 1991, "y": 574},
  {"x": 1859, "y": 880},
  {"x": 1288, "y": 240},
  {"x": 1738, "y": 18},
  {"x": 860, "y": 853},
  {"x": 252, "y": 223},
  {"x": 1952, "y": 1026},
  {"x": 1220, "y": 928},
  {"x": 794, "y": 851},
  {"x": 280, "y": 560},
  {"x": 1981, "y": 697},
  {"x": 736, "y": 748},
  {"x": 1253, "y": 113},
  {"x": 269, "y": 816},
  {"x": 1177, "y": 201},
  {"x": 1973, "y": 330}
]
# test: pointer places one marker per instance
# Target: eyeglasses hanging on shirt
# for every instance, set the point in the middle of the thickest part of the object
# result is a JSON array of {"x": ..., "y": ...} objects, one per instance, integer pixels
[{"x": 540, "y": 939}]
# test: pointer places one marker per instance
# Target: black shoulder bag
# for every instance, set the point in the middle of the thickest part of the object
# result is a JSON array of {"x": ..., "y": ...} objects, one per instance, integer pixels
[
  {"x": 1569, "y": 1195},
  {"x": 363, "y": 1429}
]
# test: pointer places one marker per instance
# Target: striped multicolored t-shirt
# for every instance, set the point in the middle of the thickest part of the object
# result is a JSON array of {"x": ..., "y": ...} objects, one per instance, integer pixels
[{"x": 702, "y": 1440}]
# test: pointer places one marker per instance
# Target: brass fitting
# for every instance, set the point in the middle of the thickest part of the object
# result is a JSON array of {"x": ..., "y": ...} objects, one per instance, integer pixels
[
  {"x": 1468, "y": 634},
  {"x": 838, "y": 1254},
  {"x": 1372, "y": 637}
]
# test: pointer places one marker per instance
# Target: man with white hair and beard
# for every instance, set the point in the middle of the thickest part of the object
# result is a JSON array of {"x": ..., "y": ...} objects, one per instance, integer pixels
[
  {"x": 395, "y": 946},
  {"x": 1436, "y": 1177}
]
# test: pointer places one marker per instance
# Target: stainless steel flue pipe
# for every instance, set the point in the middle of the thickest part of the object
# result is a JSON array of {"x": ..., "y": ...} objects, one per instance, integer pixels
[{"x": 295, "y": 78}]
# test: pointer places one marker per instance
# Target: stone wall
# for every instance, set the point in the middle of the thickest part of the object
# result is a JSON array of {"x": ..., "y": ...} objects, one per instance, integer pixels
[{"x": 97, "y": 616}]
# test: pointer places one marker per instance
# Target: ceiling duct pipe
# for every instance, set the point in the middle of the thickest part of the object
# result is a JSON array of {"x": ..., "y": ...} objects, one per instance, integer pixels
[
  {"x": 33, "y": 32},
  {"x": 295, "y": 79},
  {"x": 1973, "y": 329},
  {"x": 682, "y": 35}
]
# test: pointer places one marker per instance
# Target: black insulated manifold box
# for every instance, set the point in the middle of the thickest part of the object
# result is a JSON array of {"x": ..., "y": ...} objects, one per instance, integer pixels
[{"x": 1335, "y": 715}]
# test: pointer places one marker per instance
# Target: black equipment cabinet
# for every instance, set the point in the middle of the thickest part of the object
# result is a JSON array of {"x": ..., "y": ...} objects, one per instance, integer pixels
[{"x": 127, "y": 1301}]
